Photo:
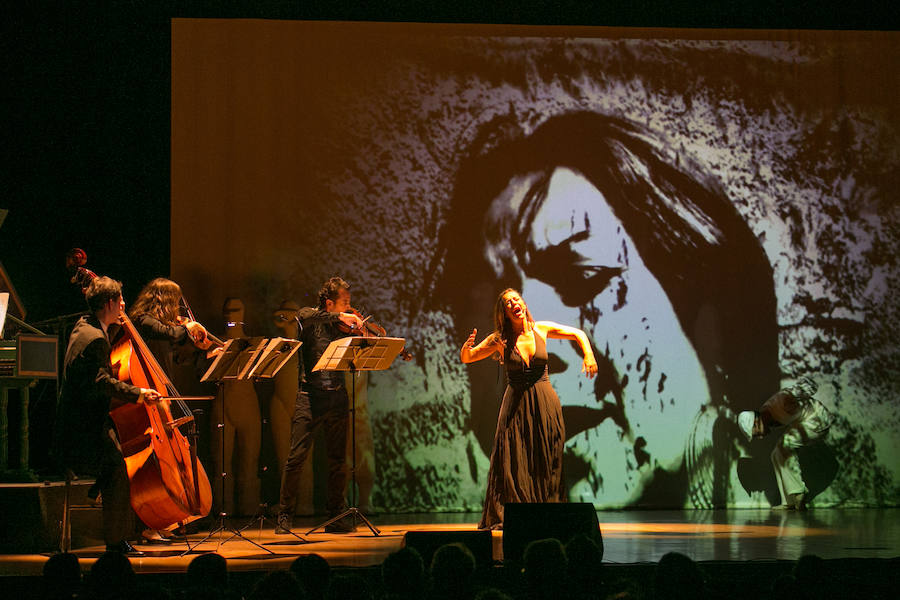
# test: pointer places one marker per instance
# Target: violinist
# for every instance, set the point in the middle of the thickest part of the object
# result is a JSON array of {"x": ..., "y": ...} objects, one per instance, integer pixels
[
  {"x": 86, "y": 442},
  {"x": 322, "y": 401},
  {"x": 170, "y": 337}
]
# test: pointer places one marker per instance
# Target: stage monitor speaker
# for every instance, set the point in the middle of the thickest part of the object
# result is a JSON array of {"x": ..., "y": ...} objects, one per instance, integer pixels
[
  {"x": 427, "y": 542},
  {"x": 525, "y": 522}
]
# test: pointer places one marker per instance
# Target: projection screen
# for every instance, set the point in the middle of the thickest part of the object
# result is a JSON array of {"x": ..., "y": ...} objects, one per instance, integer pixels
[{"x": 713, "y": 208}]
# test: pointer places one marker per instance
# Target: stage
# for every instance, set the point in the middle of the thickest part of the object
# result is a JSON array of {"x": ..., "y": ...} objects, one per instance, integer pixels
[{"x": 629, "y": 537}]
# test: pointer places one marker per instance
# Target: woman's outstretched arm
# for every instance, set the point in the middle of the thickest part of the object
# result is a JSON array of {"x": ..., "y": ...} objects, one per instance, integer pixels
[
  {"x": 472, "y": 353},
  {"x": 564, "y": 332}
]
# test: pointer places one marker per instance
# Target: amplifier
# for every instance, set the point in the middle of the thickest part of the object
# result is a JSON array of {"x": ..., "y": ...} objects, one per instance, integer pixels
[{"x": 29, "y": 355}]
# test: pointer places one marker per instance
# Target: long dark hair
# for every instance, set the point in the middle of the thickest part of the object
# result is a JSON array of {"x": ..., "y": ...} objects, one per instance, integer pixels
[
  {"x": 503, "y": 327},
  {"x": 689, "y": 234},
  {"x": 160, "y": 299}
]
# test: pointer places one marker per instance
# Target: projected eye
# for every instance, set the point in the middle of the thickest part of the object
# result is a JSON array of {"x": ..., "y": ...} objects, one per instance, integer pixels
[
  {"x": 563, "y": 268},
  {"x": 593, "y": 280}
]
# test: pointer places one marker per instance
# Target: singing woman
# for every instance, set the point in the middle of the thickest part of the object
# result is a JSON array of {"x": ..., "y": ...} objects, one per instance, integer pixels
[{"x": 526, "y": 461}]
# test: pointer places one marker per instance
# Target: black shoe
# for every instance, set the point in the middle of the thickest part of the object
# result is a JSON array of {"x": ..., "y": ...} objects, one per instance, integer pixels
[
  {"x": 173, "y": 535},
  {"x": 344, "y": 525},
  {"x": 125, "y": 548},
  {"x": 181, "y": 533},
  {"x": 153, "y": 536},
  {"x": 284, "y": 524}
]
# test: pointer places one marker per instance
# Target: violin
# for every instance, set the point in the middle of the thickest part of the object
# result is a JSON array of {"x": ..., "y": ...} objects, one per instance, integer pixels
[
  {"x": 200, "y": 340},
  {"x": 369, "y": 328}
]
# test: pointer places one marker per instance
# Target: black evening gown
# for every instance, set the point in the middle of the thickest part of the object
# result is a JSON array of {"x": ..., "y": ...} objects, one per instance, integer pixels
[{"x": 526, "y": 462}]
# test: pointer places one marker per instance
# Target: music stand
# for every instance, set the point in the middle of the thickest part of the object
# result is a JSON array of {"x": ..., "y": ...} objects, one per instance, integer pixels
[
  {"x": 357, "y": 354},
  {"x": 274, "y": 354},
  {"x": 236, "y": 362}
]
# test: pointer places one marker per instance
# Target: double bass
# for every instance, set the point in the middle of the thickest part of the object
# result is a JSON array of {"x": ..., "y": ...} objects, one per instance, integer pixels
[{"x": 167, "y": 482}]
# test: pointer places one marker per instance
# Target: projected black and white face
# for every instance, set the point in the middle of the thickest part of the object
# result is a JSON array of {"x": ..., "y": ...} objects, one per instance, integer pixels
[{"x": 578, "y": 266}]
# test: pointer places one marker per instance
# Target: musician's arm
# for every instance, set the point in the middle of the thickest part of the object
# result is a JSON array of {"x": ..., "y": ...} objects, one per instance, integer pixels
[
  {"x": 152, "y": 328},
  {"x": 312, "y": 316},
  {"x": 97, "y": 355}
]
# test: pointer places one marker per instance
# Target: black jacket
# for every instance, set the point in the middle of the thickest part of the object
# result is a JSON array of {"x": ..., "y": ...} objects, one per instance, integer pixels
[
  {"x": 318, "y": 329},
  {"x": 88, "y": 387},
  {"x": 166, "y": 342}
]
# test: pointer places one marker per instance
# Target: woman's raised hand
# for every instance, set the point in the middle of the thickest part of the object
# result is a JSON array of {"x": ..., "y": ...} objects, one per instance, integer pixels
[
  {"x": 589, "y": 366},
  {"x": 470, "y": 341},
  {"x": 465, "y": 353}
]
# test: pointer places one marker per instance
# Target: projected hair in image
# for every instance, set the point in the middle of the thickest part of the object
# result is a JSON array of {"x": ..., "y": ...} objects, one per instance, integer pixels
[{"x": 602, "y": 227}]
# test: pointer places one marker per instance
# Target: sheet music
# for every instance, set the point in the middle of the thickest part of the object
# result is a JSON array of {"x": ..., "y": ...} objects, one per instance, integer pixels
[
  {"x": 249, "y": 355},
  {"x": 4, "y": 303},
  {"x": 237, "y": 357},
  {"x": 276, "y": 353},
  {"x": 250, "y": 358},
  {"x": 360, "y": 354}
]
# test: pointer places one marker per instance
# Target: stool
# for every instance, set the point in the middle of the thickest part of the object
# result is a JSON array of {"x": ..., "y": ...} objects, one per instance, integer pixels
[{"x": 65, "y": 535}]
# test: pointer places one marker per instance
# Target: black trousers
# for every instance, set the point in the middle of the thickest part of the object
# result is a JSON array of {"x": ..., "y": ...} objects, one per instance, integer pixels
[
  {"x": 108, "y": 467},
  {"x": 118, "y": 516},
  {"x": 314, "y": 408}
]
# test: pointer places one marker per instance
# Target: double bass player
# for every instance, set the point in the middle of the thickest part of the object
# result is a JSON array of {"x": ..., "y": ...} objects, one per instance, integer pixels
[{"x": 86, "y": 441}]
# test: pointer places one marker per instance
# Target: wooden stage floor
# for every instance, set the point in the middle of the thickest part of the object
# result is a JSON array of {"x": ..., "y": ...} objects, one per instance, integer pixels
[{"x": 629, "y": 537}]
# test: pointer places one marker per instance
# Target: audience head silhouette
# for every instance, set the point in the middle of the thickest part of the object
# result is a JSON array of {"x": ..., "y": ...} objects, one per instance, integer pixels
[
  {"x": 112, "y": 577},
  {"x": 62, "y": 576},
  {"x": 349, "y": 587},
  {"x": 452, "y": 568},
  {"x": 585, "y": 566},
  {"x": 208, "y": 570},
  {"x": 277, "y": 585},
  {"x": 313, "y": 573},
  {"x": 546, "y": 568},
  {"x": 403, "y": 575},
  {"x": 676, "y": 577}
]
